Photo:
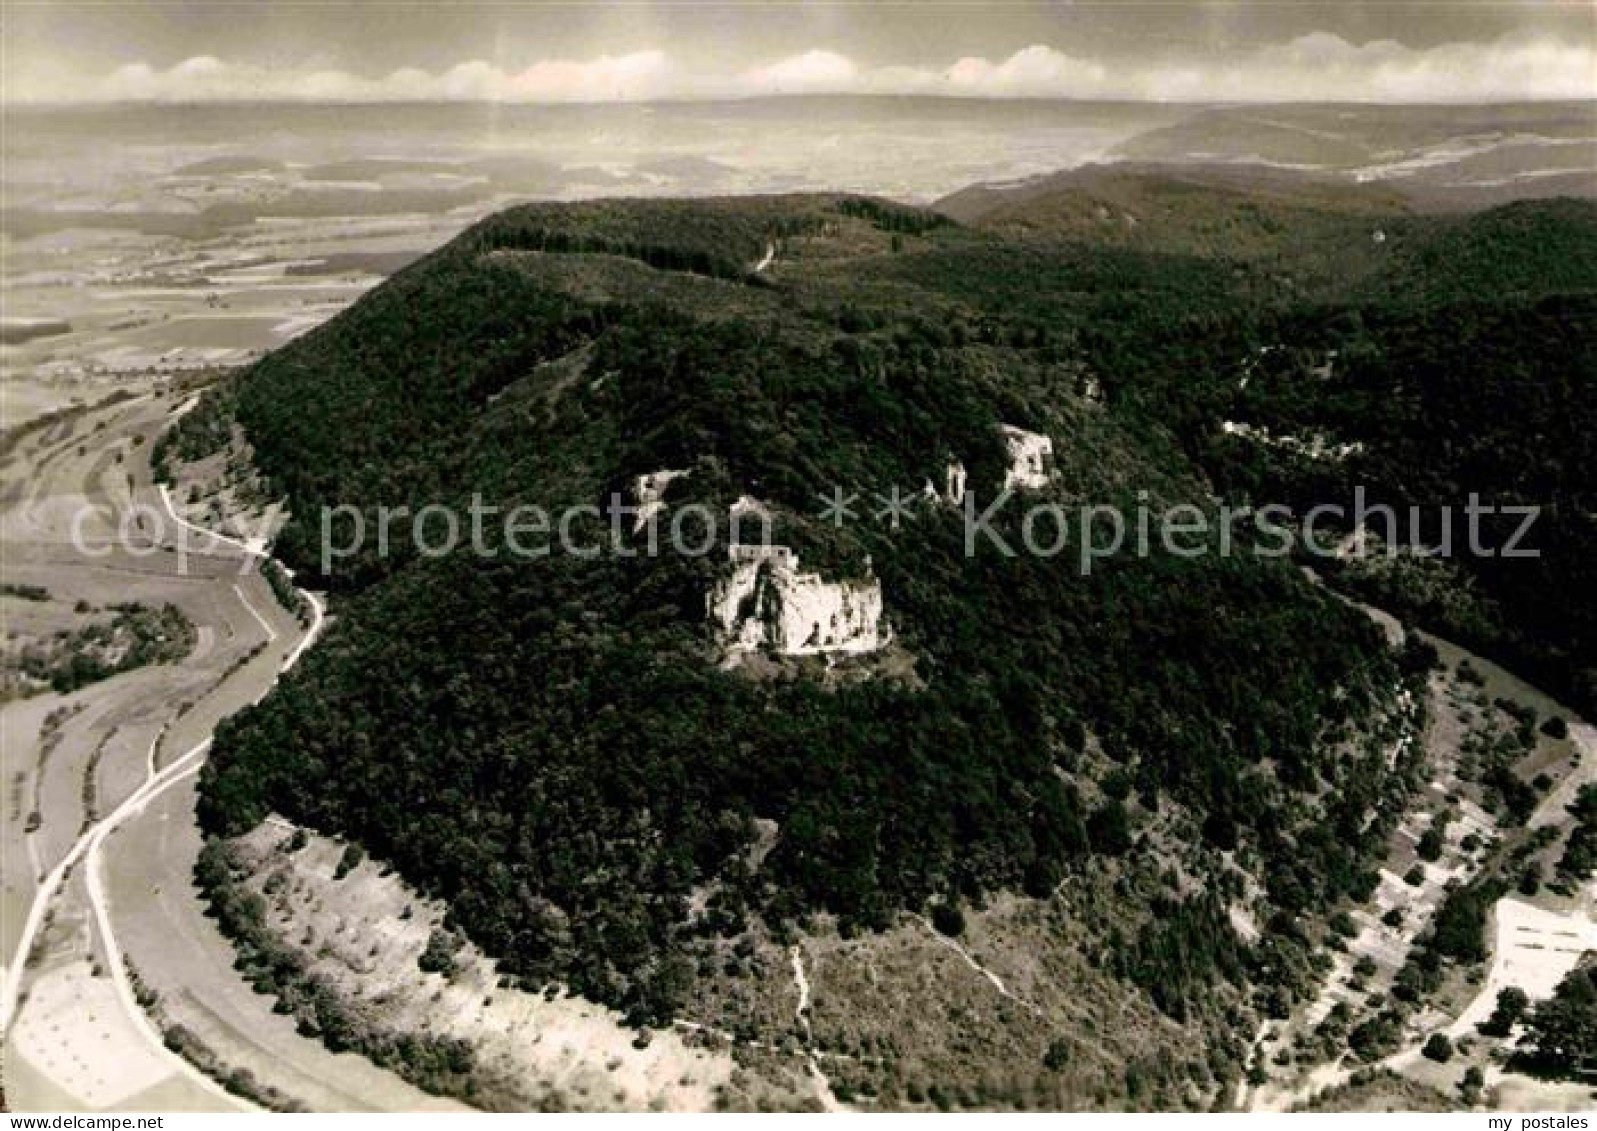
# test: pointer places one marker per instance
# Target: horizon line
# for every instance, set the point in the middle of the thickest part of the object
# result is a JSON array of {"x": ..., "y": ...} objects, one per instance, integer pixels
[{"x": 739, "y": 99}]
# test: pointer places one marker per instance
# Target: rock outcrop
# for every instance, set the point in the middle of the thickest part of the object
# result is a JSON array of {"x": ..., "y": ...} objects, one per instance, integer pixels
[
  {"x": 1030, "y": 454},
  {"x": 955, "y": 484},
  {"x": 768, "y": 603},
  {"x": 649, "y": 493}
]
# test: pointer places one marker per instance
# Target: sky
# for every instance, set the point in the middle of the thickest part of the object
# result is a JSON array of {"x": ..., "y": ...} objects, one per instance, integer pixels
[{"x": 1253, "y": 50}]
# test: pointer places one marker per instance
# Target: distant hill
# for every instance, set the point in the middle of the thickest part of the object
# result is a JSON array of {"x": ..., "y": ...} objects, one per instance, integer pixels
[
  {"x": 1518, "y": 249},
  {"x": 1444, "y": 156},
  {"x": 1164, "y": 194},
  {"x": 1302, "y": 225},
  {"x": 228, "y": 166},
  {"x": 1331, "y": 238}
]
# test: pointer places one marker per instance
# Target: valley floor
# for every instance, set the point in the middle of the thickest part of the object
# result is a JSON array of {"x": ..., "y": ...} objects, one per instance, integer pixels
[
  {"x": 99, "y": 812},
  {"x": 1534, "y": 940}
]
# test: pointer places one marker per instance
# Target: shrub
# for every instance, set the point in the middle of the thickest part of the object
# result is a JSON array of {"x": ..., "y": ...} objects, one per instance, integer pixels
[
  {"x": 1511, "y": 1005},
  {"x": 1057, "y": 1056},
  {"x": 948, "y": 919},
  {"x": 1438, "y": 1048},
  {"x": 349, "y": 861},
  {"x": 438, "y": 957}
]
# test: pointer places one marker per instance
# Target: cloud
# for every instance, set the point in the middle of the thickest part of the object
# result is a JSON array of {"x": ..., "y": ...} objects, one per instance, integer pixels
[
  {"x": 814, "y": 72},
  {"x": 641, "y": 76},
  {"x": 1036, "y": 72},
  {"x": 1315, "y": 67},
  {"x": 1323, "y": 67}
]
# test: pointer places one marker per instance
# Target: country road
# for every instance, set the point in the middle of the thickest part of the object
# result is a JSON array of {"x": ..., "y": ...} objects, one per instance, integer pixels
[
  {"x": 75, "y": 504},
  {"x": 115, "y": 966}
]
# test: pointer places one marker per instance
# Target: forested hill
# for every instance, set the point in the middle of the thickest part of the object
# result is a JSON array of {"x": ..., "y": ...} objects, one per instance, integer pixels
[
  {"x": 1455, "y": 350},
  {"x": 551, "y": 744}
]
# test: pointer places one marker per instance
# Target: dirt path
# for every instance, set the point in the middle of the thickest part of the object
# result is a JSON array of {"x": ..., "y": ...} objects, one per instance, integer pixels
[
  {"x": 190, "y": 763},
  {"x": 970, "y": 960},
  {"x": 255, "y": 547},
  {"x": 1552, "y": 807},
  {"x": 801, "y": 1012},
  {"x": 266, "y": 625}
]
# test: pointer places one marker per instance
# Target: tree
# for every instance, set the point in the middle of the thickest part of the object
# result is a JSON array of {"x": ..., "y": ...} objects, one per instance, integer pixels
[
  {"x": 948, "y": 919},
  {"x": 1511, "y": 1005},
  {"x": 1109, "y": 829},
  {"x": 1376, "y": 1037},
  {"x": 1460, "y": 924},
  {"x": 350, "y": 860},
  {"x": 1438, "y": 1048},
  {"x": 439, "y": 954},
  {"x": 1432, "y": 841},
  {"x": 1561, "y": 1033}
]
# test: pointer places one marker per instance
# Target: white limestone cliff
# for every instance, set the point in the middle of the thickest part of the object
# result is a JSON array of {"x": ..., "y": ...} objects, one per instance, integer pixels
[
  {"x": 768, "y": 603},
  {"x": 1030, "y": 453},
  {"x": 955, "y": 484},
  {"x": 648, "y": 491}
]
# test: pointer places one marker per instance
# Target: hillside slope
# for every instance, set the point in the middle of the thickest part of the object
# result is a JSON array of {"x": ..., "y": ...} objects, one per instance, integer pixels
[
  {"x": 1451, "y": 349},
  {"x": 565, "y": 749}
]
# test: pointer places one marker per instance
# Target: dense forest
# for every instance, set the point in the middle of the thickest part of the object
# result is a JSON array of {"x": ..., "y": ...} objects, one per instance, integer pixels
[
  {"x": 1492, "y": 401},
  {"x": 1454, "y": 355},
  {"x": 550, "y": 745}
]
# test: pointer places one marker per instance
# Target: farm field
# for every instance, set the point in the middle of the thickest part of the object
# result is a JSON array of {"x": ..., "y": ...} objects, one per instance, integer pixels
[{"x": 77, "y": 1042}]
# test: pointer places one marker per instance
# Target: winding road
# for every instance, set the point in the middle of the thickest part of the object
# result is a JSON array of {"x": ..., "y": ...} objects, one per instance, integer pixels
[{"x": 88, "y": 847}]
